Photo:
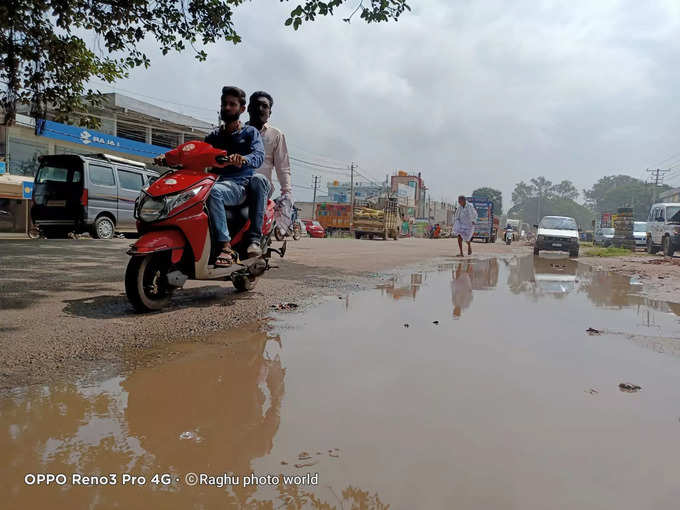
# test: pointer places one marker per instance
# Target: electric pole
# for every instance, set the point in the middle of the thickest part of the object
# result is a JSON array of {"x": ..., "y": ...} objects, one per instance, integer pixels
[
  {"x": 316, "y": 182},
  {"x": 657, "y": 178},
  {"x": 351, "y": 198}
]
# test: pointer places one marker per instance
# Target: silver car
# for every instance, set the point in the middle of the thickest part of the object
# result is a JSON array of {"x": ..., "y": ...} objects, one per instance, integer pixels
[
  {"x": 603, "y": 236},
  {"x": 640, "y": 233}
]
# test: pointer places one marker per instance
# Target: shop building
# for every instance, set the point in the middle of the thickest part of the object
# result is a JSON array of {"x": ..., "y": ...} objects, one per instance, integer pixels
[{"x": 128, "y": 128}]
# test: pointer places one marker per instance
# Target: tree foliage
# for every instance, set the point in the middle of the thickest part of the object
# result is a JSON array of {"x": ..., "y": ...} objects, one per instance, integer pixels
[
  {"x": 545, "y": 189},
  {"x": 540, "y": 197},
  {"x": 530, "y": 211},
  {"x": 491, "y": 194},
  {"x": 614, "y": 191},
  {"x": 45, "y": 59}
]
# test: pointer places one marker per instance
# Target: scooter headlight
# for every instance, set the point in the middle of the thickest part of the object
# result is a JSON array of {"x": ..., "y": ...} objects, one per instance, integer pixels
[
  {"x": 175, "y": 201},
  {"x": 151, "y": 209}
]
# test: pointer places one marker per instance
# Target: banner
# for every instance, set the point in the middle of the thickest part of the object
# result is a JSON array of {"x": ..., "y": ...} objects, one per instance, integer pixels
[{"x": 94, "y": 139}]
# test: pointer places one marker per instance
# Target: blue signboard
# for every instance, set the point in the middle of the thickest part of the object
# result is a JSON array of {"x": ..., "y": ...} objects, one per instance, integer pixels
[
  {"x": 3, "y": 167},
  {"x": 27, "y": 189},
  {"x": 94, "y": 139}
]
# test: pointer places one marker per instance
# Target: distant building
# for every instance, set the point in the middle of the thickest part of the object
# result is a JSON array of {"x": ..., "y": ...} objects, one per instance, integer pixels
[
  {"x": 672, "y": 195},
  {"x": 411, "y": 191},
  {"x": 339, "y": 192},
  {"x": 128, "y": 127}
]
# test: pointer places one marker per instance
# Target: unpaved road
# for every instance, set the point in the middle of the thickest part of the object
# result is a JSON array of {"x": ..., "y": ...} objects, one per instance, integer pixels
[{"x": 63, "y": 307}]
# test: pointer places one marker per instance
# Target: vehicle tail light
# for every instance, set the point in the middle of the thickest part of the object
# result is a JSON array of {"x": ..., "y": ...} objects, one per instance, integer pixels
[{"x": 83, "y": 198}]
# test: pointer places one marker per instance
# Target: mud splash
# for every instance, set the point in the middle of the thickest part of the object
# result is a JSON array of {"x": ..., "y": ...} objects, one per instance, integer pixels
[{"x": 494, "y": 397}]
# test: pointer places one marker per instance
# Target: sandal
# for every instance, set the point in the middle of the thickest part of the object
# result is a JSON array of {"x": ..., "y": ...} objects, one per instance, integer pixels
[{"x": 226, "y": 258}]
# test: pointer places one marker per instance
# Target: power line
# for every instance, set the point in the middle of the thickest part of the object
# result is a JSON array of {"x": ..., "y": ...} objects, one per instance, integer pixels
[{"x": 316, "y": 164}]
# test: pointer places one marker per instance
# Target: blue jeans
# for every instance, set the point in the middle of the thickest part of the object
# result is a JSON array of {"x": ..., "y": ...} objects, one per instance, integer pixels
[
  {"x": 226, "y": 193},
  {"x": 258, "y": 190},
  {"x": 231, "y": 192}
]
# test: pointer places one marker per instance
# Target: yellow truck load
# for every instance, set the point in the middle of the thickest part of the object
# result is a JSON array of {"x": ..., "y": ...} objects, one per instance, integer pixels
[{"x": 380, "y": 219}]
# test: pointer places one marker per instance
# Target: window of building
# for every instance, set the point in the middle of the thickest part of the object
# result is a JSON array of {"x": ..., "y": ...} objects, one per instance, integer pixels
[
  {"x": 130, "y": 180},
  {"x": 130, "y": 131},
  {"x": 102, "y": 175},
  {"x": 164, "y": 138},
  {"x": 23, "y": 156}
]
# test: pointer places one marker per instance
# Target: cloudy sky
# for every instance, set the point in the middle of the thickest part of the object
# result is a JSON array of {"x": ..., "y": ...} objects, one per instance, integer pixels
[{"x": 470, "y": 93}]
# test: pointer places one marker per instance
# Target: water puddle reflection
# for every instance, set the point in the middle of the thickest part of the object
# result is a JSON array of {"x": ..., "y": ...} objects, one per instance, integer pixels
[{"x": 493, "y": 397}]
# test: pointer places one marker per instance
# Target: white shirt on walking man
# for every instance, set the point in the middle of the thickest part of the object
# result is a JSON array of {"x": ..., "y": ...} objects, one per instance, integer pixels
[{"x": 464, "y": 221}]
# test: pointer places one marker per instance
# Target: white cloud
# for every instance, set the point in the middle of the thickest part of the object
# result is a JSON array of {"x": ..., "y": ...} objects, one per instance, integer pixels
[{"x": 472, "y": 93}]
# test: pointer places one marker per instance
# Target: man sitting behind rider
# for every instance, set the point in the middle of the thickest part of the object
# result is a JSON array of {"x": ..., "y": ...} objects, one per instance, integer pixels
[
  {"x": 275, "y": 149},
  {"x": 245, "y": 152}
]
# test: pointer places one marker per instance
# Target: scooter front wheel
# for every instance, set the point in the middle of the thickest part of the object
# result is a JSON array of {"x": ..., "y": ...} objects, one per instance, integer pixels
[{"x": 146, "y": 282}]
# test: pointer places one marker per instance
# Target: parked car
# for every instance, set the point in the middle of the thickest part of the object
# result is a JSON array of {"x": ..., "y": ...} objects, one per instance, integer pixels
[
  {"x": 314, "y": 228},
  {"x": 603, "y": 236},
  {"x": 87, "y": 193},
  {"x": 640, "y": 233},
  {"x": 557, "y": 233},
  {"x": 663, "y": 228}
]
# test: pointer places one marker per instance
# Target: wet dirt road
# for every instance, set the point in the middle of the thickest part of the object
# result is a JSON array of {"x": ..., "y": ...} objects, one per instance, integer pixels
[
  {"x": 63, "y": 305},
  {"x": 505, "y": 403}
]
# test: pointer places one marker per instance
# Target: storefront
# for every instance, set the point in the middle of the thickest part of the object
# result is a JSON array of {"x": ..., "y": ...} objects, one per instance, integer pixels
[
  {"x": 128, "y": 128},
  {"x": 15, "y": 194}
]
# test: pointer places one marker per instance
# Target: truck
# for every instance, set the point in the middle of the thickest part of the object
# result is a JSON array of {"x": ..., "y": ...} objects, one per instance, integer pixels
[
  {"x": 486, "y": 228},
  {"x": 333, "y": 217},
  {"x": 378, "y": 218}
]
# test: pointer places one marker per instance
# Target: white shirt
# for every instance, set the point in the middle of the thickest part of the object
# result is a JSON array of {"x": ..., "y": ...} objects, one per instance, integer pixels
[
  {"x": 275, "y": 156},
  {"x": 467, "y": 215}
]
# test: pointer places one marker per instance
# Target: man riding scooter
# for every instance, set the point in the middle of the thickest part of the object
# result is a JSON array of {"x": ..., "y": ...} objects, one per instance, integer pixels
[
  {"x": 246, "y": 153},
  {"x": 275, "y": 157}
]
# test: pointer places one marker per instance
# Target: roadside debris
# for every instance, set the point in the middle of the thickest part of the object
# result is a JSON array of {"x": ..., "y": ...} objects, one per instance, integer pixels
[
  {"x": 592, "y": 391},
  {"x": 285, "y": 306},
  {"x": 304, "y": 456},
  {"x": 629, "y": 387},
  {"x": 593, "y": 331},
  {"x": 435, "y": 322},
  {"x": 306, "y": 464}
]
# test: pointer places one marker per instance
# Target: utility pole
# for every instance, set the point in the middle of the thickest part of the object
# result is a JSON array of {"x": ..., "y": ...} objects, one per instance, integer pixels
[
  {"x": 657, "y": 178},
  {"x": 351, "y": 198},
  {"x": 316, "y": 182}
]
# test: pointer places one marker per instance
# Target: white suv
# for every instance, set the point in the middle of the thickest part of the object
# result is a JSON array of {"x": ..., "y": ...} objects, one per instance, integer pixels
[
  {"x": 663, "y": 229},
  {"x": 557, "y": 233}
]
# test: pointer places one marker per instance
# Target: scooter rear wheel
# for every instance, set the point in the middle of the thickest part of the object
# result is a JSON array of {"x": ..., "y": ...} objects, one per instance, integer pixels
[{"x": 146, "y": 283}]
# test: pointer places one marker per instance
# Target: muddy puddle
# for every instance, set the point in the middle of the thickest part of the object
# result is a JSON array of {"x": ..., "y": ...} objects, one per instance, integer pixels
[{"x": 472, "y": 385}]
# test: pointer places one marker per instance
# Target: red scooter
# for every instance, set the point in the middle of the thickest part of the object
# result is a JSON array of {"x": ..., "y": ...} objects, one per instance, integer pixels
[{"x": 177, "y": 241}]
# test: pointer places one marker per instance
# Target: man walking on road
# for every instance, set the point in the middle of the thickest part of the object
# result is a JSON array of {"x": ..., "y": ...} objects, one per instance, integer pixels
[{"x": 464, "y": 220}]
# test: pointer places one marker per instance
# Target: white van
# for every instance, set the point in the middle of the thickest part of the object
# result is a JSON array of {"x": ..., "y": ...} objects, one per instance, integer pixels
[
  {"x": 663, "y": 228},
  {"x": 92, "y": 193}
]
